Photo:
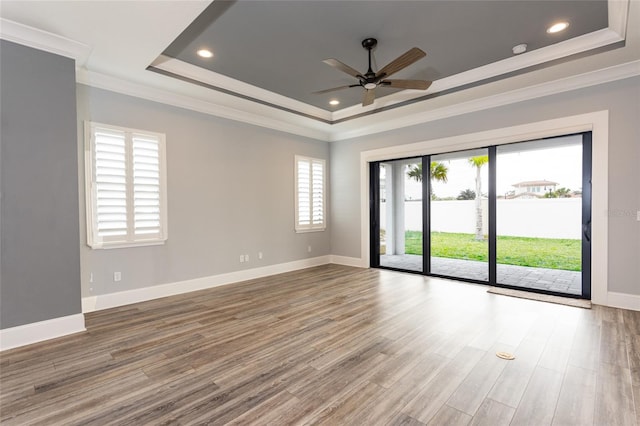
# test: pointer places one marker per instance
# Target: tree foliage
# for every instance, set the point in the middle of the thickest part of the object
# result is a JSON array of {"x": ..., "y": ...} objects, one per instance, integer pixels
[
  {"x": 559, "y": 193},
  {"x": 438, "y": 172},
  {"x": 467, "y": 194},
  {"x": 479, "y": 161}
]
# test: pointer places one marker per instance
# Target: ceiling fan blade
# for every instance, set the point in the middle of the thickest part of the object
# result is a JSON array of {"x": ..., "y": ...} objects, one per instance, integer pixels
[
  {"x": 369, "y": 97},
  {"x": 407, "y": 84},
  {"x": 342, "y": 67},
  {"x": 334, "y": 89},
  {"x": 401, "y": 62}
]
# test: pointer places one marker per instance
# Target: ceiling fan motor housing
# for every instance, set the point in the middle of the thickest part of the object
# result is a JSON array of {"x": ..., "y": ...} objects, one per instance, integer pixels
[{"x": 369, "y": 43}]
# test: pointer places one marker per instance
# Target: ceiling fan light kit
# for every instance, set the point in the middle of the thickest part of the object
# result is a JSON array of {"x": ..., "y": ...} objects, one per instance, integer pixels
[{"x": 371, "y": 80}]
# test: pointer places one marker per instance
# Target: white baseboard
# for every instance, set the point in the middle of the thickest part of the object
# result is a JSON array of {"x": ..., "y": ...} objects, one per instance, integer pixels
[
  {"x": 623, "y": 301},
  {"x": 38, "y": 331},
  {"x": 112, "y": 300},
  {"x": 349, "y": 261}
]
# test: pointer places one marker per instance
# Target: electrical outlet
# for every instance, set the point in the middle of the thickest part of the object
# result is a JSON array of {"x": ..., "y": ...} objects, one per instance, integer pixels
[
  {"x": 638, "y": 216},
  {"x": 246, "y": 257},
  {"x": 241, "y": 258},
  {"x": 117, "y": 276},
  {"x": 91, "y": 277},
  {"x": 259, "y": 255},
  {"x": 309, "y": 249}
]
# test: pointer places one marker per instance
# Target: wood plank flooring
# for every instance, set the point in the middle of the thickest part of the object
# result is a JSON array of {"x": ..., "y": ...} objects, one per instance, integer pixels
[{"x": 333, "y": 345}]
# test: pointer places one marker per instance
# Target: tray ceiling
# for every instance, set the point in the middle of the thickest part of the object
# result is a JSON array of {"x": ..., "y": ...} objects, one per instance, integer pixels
[{"x": 279, "y": 46}]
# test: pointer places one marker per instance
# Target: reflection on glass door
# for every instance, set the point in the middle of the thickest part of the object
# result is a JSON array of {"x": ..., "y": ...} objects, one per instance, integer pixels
[
  {"x": 459, "y": 215},
  {"x": 539, "y": 215},
  {"x": 400, "y": 209}
]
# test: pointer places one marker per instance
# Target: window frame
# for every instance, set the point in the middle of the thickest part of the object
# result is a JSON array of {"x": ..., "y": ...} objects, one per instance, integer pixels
[
  {"x": 302, "y": 228},
  {"x": 130, "y": 239}
]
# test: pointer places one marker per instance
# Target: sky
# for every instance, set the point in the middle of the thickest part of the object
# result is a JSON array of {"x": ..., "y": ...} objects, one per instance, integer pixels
[{"x": 561, "y": 164}]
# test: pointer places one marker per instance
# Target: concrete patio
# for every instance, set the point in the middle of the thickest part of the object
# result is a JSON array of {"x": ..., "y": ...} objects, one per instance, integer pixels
[{"x": 554, "y": 280}]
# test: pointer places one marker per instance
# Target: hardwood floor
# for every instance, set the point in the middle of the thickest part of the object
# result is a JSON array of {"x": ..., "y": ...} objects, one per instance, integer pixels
[{"x": 333, "y": 345}]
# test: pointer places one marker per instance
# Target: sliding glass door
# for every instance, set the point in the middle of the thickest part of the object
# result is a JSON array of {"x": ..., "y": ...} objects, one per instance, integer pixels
[
  {"x": 400, "y": 214},
  {"x": 459, "y": 215},
  {"x": 515, "y": 215},
  {"x": 539, "y": 213}
]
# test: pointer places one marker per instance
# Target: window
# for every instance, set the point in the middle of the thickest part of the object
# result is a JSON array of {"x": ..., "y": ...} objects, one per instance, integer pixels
[
  {"x": 310, "y": 194},
  {"x": 125, "y": 187}
]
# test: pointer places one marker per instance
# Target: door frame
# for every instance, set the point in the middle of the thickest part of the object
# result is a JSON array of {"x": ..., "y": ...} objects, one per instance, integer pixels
[{"x": 596, "y": 122}]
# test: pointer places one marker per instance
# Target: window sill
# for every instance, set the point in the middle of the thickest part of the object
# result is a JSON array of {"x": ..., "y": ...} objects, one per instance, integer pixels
[
  {"x": 109, "y": 246},
  {"x": 304, "y": 231}
]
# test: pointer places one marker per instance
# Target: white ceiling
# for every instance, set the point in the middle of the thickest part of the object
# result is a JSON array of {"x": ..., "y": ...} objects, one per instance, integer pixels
[{"x": 114, "y": 42}]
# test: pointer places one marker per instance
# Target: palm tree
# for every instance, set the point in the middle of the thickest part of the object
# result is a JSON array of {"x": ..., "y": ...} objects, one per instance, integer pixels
[
  {"x": 478, "y": 162},
  {"x": 438, "y": 172},
  {"x": 467, "y": 194}
]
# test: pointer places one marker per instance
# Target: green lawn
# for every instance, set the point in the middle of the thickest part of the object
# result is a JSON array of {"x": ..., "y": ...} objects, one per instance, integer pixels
[{"x": 521, "y": 251}]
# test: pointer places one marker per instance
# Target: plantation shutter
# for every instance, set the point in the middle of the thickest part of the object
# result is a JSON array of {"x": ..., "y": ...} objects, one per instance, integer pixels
[
  {"x": 304, "y": 194},
  {"x": 146, "y": 185},
  {"x": 126, "y": 187},
  {"x": 317, "y": 187},
  {"x": 310, "y": 193},
  {"x": 110, "y": 183}
]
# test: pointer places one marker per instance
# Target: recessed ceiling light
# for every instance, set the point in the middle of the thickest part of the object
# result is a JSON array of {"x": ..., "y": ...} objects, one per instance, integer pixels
[
  {"x": 334, "y": 102},
  {"x": 205, "y": 53},
  {"x": 557, "y": 27}
]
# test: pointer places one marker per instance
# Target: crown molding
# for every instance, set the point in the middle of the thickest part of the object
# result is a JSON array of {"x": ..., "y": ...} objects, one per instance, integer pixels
[
  {"x": 218, "y": 81},
  {"x": 286, "y": 124},
  {"x": 409, "y": 115},
  {"x": 43, "y": 40},
  {"x": 618, "y": 11}
]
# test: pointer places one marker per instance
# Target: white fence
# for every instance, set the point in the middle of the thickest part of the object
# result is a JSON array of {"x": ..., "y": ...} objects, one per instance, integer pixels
[{"x": 538, "y": 218}]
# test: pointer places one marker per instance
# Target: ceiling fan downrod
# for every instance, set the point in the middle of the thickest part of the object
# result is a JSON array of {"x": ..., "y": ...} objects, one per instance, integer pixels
[{"x": 369, "y": 81}]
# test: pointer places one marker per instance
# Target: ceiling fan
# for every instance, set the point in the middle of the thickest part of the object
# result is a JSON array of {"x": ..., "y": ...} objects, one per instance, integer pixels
[{"x": 371, "y": 80}]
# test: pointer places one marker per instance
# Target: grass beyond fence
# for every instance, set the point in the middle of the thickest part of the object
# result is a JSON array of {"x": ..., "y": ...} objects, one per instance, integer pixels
[{"x": 521, "y": 251}]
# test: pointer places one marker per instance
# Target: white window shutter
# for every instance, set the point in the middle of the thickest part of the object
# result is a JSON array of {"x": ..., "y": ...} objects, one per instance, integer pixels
[
  {"x": 309, "y": 194},
  {"x": 110, "y": 183},
  {"x": 304, "y": 193},
  {"x": 146, "y": 185},
  {"x": 317, "y": 187},
  {"x": 126, "y": 187}
]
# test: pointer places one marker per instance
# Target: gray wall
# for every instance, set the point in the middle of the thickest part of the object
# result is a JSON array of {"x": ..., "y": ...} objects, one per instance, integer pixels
[
  {"x": 230, "y": 186},
  {"x": 230, "y": 192},
  {"x": 40, "y": 260},
  {"x": 621, "y": 98}
]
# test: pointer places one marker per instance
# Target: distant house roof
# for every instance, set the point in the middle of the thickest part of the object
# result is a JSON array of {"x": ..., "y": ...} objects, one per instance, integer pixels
[{"x": 534, "y": 183}]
